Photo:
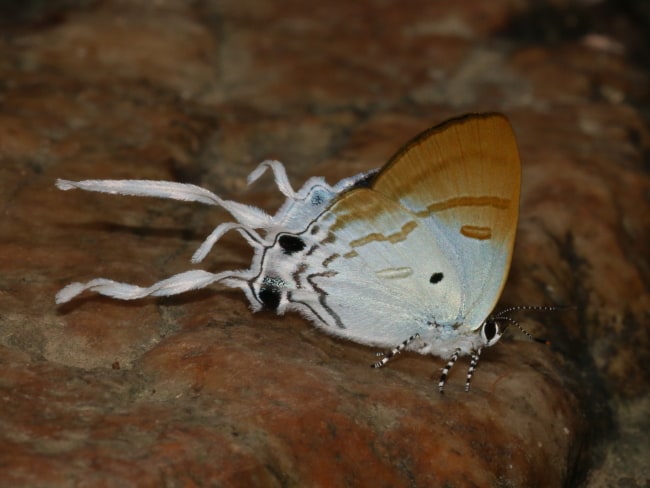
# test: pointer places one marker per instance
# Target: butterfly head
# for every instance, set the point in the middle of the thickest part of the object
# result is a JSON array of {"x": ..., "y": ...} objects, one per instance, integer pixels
[
  {"x": 502, "y": 320},
  {"x": 490, "y": 332}
]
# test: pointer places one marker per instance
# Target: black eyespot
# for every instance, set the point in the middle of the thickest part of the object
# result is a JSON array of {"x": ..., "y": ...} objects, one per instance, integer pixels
[
  {"x": 270, "y": 297},
  {"x": 490, "y": 330},
  {"x": 436, "y": 278},
  {"x": 270, "y": 292},
  {"x": 290, "y": 243}
]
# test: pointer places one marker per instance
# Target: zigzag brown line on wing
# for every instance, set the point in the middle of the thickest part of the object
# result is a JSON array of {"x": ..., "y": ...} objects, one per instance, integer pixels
[
  {"x": 393, "y": 237},
  {"x": 364, "y": 205},
  {"x": 370, "y": 211}
]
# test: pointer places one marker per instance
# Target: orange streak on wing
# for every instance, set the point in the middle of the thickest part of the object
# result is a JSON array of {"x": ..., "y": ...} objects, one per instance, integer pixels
[
  {"x": 476, "y": 232},
  {"x": 495, "y": 202}
]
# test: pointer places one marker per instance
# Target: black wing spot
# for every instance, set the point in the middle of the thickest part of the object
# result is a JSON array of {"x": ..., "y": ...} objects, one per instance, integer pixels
[
  {"x": 290, "y": 243},
  {"x": 436, "y": 278}
]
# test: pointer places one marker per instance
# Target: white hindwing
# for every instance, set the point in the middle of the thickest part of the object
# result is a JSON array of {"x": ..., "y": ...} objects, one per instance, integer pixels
[{"x": 370, "y": 271}]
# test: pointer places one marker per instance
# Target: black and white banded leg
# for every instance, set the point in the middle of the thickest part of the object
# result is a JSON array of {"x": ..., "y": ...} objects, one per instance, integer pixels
[
  {"x": 473, "y": 363},
  {"x": 445, "y": 370},
  {"x": 387, "y": 356}
]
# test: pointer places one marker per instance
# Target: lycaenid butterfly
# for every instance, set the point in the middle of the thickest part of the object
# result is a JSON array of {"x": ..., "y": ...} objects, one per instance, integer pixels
[{"x": 412, "y": 256}]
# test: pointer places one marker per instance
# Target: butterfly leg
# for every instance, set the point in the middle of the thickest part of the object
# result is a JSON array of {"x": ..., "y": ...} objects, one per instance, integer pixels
[
  {"x": 445, "y": 370},
  {"x": 473, "y": 363},
  {"x": 387, "y": 356}
]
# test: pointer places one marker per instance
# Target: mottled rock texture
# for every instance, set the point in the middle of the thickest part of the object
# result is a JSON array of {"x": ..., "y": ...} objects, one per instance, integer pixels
[{"x": 197, "y": 391}]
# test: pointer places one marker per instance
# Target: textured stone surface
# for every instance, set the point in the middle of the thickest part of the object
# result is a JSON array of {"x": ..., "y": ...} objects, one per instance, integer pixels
[{"x": 195, "y": 390}]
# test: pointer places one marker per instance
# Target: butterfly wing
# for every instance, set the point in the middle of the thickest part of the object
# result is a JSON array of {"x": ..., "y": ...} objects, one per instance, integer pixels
[
  {"x": 369, "y": 273},
  {"x": 462, "y": 178}
]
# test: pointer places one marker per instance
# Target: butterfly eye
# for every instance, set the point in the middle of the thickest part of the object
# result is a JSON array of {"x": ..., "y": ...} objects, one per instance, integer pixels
[{"x": 491, "y": 332}]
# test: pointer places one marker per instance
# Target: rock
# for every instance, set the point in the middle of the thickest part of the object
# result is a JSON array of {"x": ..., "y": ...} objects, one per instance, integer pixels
[{"x": 197, "y": 390}]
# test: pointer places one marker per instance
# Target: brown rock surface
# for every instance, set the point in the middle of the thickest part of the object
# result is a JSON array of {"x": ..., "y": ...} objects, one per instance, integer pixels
[{"x": 197, "y": 391}]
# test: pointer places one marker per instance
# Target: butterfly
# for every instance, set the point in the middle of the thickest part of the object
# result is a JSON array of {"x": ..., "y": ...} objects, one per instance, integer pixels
[{"x": 412, "y": 256}]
